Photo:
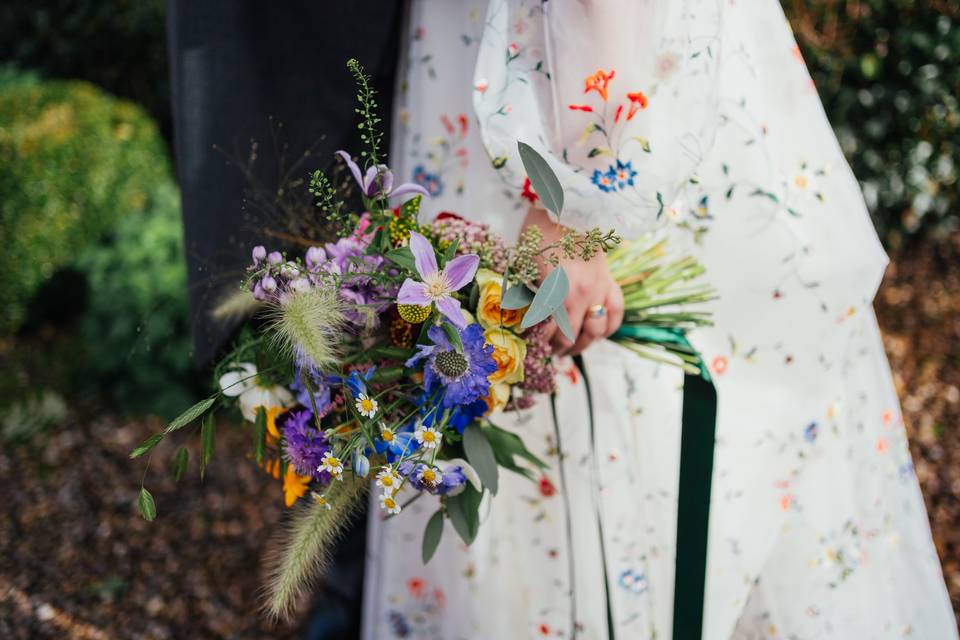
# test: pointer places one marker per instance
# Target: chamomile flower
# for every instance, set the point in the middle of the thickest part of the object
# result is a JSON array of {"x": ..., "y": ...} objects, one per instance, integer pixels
[
  {"x": 428, "y": 437},
  {"x": 366, "y": 406},
  {"x": 387, "y": 434},
  {"x": 388, "y": 480},
  {"x": 389, "y": 504},
  {"x": 320, "y": 499},
  {"x": 430, "y": 477},
  {"x": 332, "y": 465}
]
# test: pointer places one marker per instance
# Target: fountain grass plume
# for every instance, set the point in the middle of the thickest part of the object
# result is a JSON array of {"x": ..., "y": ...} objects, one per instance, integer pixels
[
  {"x": 236, "y": 305},
  {"x": 298, "y": 556},
  {"x": 310, "y": 326}
]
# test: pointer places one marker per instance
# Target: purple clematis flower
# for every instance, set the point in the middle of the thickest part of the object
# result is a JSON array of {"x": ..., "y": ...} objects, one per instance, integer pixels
[
  {"x": 378, "y": 180},
  {"x": 438, "y": 284}
]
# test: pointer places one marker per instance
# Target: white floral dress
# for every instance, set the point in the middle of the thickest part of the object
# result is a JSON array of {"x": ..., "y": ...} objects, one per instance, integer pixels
[{"x": 698, "y": 121}]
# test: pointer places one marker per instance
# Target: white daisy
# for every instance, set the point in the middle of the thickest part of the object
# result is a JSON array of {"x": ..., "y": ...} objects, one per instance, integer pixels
[
  {"x": 386, "y": 433},
  {"x": 430, "y": 477},
  {"x": 332, "y": 465},
  {"x": 389, "y": 504},
  {"x": 428, "y": 437},
  {"x": 388, "y": 480},
  {"x": 366, "y": 406},
  {"x": 320, "y": 499}
]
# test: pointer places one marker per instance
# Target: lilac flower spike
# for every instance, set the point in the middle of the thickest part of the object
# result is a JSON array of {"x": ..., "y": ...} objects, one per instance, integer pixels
[
  {"x": 437, "y": 284},
  {"x": 371, "y": 187}
]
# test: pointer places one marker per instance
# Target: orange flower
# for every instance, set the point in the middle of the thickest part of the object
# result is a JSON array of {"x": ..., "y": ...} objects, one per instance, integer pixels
[
  {"x": 637, "y": 101},
  {"x": 598, "y": 82},
  {"x": 273, "y": 434},
  {"x": 294, "y": 486}
]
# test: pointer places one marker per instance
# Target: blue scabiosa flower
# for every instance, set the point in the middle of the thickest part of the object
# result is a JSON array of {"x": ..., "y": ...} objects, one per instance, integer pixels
[
  {"x": 462, "y": 376},
  {"x": 305, "y": 445}
]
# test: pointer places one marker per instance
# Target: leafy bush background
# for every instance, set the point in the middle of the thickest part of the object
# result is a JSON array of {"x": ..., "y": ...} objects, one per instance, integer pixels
[
  {"x": 888, "y": 72},
  {"x": 73, "y": 160}
]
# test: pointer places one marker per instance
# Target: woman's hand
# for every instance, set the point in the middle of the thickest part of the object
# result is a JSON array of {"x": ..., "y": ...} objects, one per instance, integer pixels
[{"x": 595, "y": 301}]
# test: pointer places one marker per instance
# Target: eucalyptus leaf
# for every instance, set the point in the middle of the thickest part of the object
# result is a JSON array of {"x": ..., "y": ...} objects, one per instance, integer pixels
[
  {"x": 190, "y": 414},
  {"x": 147, "y": 445},
  {"x": 506, "y": 445},
  {"x": 563, "y": 322},
  {"x": 480, "y": 456},
  {"x": 542, "y": 178},
  {"x": 207, "y": 434},
  {"x": 431, "y": 536},
  {"x": 180, "y": 463},
  {"x": 146, "y": 505},
  {"x": 549, "y": 296},
  {"x": 464, "y": 512},
  {"x": 516, "y": 297}
]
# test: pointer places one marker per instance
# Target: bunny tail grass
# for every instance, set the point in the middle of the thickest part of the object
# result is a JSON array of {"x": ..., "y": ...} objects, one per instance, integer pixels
[
  {"x": 310, "y": 324},
  {"x": 238, "y": 304},
  {"x": 297, "y": 557}
]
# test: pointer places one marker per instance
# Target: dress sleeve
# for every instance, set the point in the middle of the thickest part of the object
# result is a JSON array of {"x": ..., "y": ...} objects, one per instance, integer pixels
[{"x": 620, "y": 97}]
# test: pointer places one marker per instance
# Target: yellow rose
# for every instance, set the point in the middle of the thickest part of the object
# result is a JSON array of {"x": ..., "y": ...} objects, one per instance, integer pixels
[
  {"x": 488, "y": 307},
  {"x": 498, "y": 397},
  {"x": 508, "y": 352}
]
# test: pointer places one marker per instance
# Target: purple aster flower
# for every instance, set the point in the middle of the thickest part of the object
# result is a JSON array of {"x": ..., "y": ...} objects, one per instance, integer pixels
[
  {"x": 437, "y": 284},
  {"x": 305, "y": 445},
  {"x": 378, "y": 181},
  {"x": 461, "y": 375}
]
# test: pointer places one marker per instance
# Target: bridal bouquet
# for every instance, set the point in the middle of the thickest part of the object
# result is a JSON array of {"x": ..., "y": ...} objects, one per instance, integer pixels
[{"x": 375, "y": 361}]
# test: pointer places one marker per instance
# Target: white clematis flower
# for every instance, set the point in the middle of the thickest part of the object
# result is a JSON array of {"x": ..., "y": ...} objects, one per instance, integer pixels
[{"x": 242, "y": 381}]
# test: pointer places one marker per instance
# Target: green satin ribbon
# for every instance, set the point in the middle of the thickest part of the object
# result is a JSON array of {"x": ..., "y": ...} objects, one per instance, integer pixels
[{"x": 697, "y": 439}]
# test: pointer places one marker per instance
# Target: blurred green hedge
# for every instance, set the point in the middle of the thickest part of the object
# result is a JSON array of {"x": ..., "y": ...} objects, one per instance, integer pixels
[
  {"x": 888, "y": 72},
  {"x": 135, "y": 331},
  {"x": 73, "y": 160}
]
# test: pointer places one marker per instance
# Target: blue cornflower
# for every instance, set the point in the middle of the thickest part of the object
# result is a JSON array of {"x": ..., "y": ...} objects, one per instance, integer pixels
[
  {"x": 460, "y": 417},
  {"x": 396, "y": 444},
  {"x": 462, "y": 376},
  {"x": 305, "y": 445}
]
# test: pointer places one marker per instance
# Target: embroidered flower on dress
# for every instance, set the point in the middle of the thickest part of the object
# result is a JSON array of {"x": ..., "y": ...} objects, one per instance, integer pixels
[{"x": 599, "y": 82}]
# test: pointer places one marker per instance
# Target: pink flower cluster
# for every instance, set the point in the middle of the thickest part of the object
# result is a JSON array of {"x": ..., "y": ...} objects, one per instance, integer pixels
[{"x": 475, "y": 238}]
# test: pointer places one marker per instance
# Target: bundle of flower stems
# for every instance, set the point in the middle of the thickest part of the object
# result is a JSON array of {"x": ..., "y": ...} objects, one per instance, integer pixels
[{"x": 658, "y": 292}]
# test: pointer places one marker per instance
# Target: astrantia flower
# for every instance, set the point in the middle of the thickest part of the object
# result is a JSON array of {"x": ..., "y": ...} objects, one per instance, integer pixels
[
  {"x": 437, "y": 285},
  {"x": 366, "y": 406},
  {"x": 461, "y": 374},
  {"x": 332, "y": 465},
  {"x": 378, "y": 181},
  {"x": 243, "y": 382},
  {"x": 428, "y": 437},
  {"x": 388, "y": 480},
  {"x": 389, "y": 504},
  {"x": 305, "y": 445}
]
